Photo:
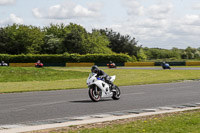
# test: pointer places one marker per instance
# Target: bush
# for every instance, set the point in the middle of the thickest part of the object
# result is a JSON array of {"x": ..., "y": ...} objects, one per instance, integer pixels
[
  {"x": 4, "y": 57},
  {"x": 30, "y": 58}
]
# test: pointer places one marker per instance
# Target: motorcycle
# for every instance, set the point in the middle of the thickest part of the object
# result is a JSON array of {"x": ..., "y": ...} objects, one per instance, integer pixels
[
  {"x": 166, "y": 66},
  {"x": 98, "y": 88},
  {"x": 112, "y": 65},
  {"x": 38, "y": 64},
  {"x": 3, "y": 64}
]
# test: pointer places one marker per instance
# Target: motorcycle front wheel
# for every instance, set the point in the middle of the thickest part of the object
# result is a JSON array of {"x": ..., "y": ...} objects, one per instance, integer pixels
[
  {"x": 116, "y": 94},
  {"x": 95, "y": 93}
]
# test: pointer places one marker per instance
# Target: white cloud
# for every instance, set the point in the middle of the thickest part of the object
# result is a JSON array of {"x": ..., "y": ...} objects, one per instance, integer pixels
[
  {"x": 80, "y": 11},
  {"x": 37, "y": 13},
  {"x": 196, "y": 6},
  {"x": 16, "y": 19},
  {"x": 95, "y": 6},
  {"x": 66, "y": 11},
  {"x": 191, "y": 20},
  {"x": 152, "y": 21},
  {"x": 161, "y": 11},
  {"x": 58, "y": 12},
  {"x": 156, "y": 11},
  {"x": 188, "y": 25},
  {"x": 12, "y": 19},
  {"x": 134, "y": 7},
  {"x": 7, "y": 2}
]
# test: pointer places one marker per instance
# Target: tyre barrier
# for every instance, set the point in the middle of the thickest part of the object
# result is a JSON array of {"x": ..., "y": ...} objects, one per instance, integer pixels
[
  {"x": 22, "y": 64},
  {"x": 139, "y": 64},
  {"x": 105, "y": 64},
  {"x": 193, "y": 63},
  {"x": 79, "y": 64}
]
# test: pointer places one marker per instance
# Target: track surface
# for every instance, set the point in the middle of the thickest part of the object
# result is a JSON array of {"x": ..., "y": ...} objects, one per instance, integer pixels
[
  {"x": 34, "y": 106},
  {"x": 160, "y": 68}
]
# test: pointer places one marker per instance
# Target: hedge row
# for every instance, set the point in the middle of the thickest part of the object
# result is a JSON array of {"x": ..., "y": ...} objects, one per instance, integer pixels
[{"x": 65, "y": 58}]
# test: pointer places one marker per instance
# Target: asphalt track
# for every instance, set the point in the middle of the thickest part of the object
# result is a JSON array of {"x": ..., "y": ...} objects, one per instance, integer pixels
[
  {"x": 144, "y": 68},
  {"x": 35, "y": 106},
  {"x": 159, "y": 68}
]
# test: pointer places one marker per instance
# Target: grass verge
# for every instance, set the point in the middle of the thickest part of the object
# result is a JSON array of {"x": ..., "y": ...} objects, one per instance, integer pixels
[
  {"x": 21, "y": 74},
  {"x": 178, "y": 122},
  {"x": 71, "y": 78}
]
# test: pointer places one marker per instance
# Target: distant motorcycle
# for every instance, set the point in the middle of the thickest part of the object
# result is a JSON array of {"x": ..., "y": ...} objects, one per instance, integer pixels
[
  {"x": 98, "y": 88},
  {"x": 111, "y": 65},
  {"x": 38, "y": 64},
  {"x": 3, "y": 64},
  {"x": 166, "y": 66}
]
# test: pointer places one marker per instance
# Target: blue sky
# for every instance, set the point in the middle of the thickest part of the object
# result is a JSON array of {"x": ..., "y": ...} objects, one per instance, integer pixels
[{"x": 154, "y": 23}]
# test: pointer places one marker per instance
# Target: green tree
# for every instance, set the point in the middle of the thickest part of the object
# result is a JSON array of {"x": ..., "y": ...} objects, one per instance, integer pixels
[
  {"x": 23, "y": 39},
  {"x": 52, "y": 45},
  {"x": 176, "y": 53},
  {"x": 78, "y": 40},
  {"x": 189, "y": 53},
  {"x": 158, "y": 53},
  {"x": 121, "y": 43},
  {"x": 3, "y": 40},
  {"x": 73, "y": 41},
  {"x": 197, "y": 54},
  {"x": 58, "y": 31},
  {"x": 97, "y": 43},
  {"x": 141, "y": 56}
]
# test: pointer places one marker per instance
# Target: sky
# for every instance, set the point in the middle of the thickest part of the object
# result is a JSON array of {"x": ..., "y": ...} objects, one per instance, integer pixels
[{"x": 153, "y": 23}]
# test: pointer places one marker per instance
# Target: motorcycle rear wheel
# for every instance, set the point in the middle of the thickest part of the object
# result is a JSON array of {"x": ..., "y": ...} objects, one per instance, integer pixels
[
  {"x": 95, "y": 96},
  {"x": 116, "y": 94}
]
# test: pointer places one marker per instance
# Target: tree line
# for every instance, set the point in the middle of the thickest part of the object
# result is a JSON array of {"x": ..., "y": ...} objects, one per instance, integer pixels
[
  {"x": 59, "y": 39},
  {"x": 173, "y": 54},
  {"x": 72, "y": 38}
]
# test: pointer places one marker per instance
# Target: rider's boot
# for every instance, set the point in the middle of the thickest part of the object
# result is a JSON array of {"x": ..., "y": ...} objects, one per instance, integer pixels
[{"x": 112, "y": 87}]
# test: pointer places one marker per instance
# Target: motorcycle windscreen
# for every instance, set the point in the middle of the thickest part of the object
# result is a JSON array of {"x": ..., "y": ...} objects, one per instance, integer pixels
[{"x": 91, "y": 75}]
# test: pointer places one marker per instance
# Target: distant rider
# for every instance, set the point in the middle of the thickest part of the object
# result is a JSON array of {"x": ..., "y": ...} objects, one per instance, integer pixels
[
  {"x": 38, "y": 62},
  {"x": 102, "y": 74},
  {"x": 165, "y": 65},
  {"x": 3, "y": 63}
]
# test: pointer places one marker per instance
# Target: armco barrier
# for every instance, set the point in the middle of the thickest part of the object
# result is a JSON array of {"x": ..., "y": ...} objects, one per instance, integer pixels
[
  {"x": 171, "y": 63},
  {"x": 139, "y": 64},
  {"x": 105, "y": 64},
  {"x": 196, "y": 63},
  {"x": 79, "y": 64},
  {"x": 22, "y": 64}
]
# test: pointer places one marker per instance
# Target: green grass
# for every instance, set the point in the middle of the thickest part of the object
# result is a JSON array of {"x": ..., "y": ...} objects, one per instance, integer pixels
[
  {"x": 34, "y": 79},
  {"x": 20, "y": 74},
  {"x": 188, "y": 122},
  {"x": 138, "y": 77}
]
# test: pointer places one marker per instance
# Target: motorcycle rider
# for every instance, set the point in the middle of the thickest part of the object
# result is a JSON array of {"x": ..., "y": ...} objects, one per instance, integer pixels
[
  {"x": 102, "y": 74},
  {"x": 3, "y": 63},
  {"x": 165, "y": 65}
]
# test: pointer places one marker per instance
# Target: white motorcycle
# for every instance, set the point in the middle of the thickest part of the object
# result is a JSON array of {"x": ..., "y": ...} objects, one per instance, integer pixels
[{"x": 98, "y": 88}]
